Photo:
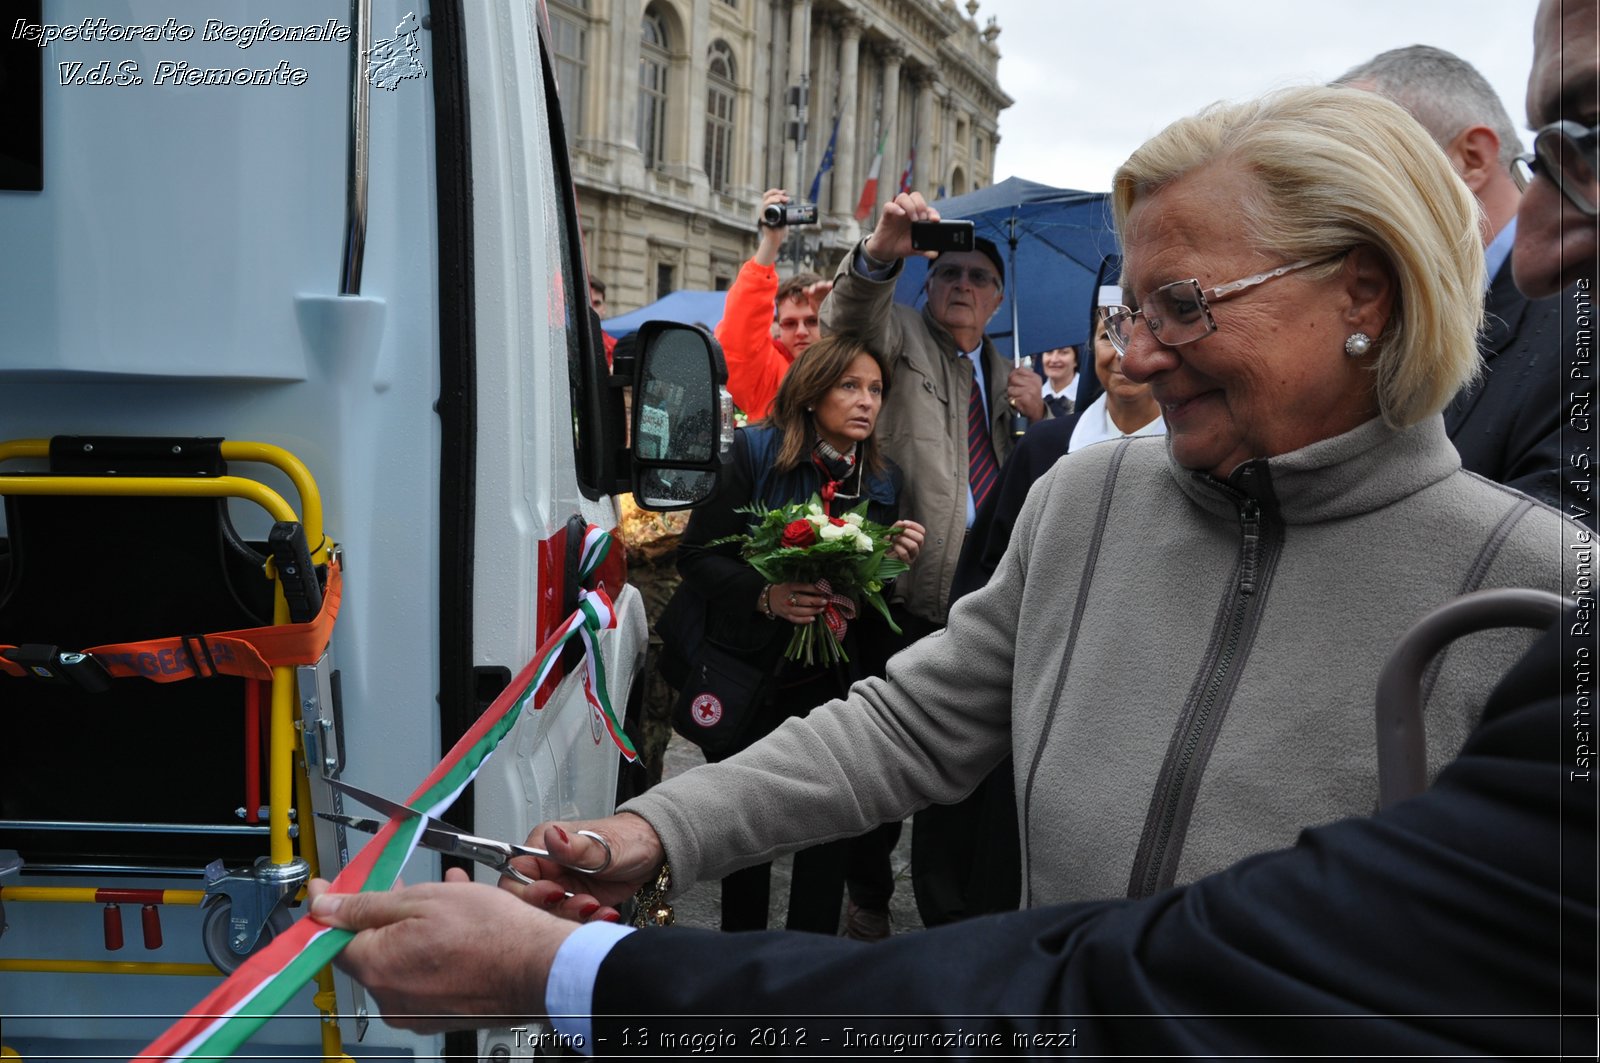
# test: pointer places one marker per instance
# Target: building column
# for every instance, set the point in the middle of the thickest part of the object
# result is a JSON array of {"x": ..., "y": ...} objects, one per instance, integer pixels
[
  {"x": 927, "y": 102},
  {"x": 846, "y": 184},
  {"x": 693, "y": 54},
  {"x": 622, "y": 128},
  {"x": 947, "y": 140},
  {"x": 799, "y": 78},
  {"x": 894, "y": 155}
]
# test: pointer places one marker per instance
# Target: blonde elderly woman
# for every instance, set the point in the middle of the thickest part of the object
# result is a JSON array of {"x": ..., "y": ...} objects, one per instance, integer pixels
[
  {"x": 1303, "y": 275},
  {"x": 1304, "y": 278}
]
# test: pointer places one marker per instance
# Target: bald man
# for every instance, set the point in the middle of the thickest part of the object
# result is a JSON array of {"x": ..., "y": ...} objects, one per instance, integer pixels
[{"x": 1509, "y": 424}]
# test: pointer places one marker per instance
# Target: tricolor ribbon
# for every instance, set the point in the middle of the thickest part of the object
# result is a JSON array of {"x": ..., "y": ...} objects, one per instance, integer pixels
[{"x": 216, "y": 1027}]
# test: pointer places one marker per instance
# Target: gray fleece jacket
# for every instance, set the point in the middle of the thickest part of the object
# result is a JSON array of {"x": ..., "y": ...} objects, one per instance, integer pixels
[{"x": 1184, "y": 669}]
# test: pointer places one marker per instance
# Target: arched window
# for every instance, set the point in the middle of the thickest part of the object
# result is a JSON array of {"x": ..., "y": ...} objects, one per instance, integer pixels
[
  {"x": 653, "y": 65},
  {"x": 569, "y": 30},
  {"x": 721, "y": 84}
]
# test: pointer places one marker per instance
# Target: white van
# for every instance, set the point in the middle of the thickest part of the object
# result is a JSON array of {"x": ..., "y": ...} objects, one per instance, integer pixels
[{"x": 300, "y": 282}]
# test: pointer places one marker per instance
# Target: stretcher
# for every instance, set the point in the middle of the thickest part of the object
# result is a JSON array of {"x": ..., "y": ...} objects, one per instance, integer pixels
[{"x": 166, "y": 692}]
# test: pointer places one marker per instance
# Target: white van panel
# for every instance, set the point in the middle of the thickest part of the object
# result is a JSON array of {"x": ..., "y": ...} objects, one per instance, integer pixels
[{"x": 179, "y": 276}]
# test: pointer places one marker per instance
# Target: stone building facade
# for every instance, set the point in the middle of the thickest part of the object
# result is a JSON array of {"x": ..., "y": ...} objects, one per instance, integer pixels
[{"x": 681, "y": 112}]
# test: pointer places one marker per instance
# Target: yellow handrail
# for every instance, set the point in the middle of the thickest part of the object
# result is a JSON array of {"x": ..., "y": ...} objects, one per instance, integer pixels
[
  {"x": 242, "y": 450},
  {"x": 89, "y": 895},
  {"x": 37, "y": 966},
  {"x": 148, "y": 486},
  {"x": 300, "y": 476},
  {"x": 24, "y": 448}
]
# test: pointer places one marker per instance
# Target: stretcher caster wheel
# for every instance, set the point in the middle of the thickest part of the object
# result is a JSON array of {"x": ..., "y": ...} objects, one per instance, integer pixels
[{"x": 216, "y": 934}]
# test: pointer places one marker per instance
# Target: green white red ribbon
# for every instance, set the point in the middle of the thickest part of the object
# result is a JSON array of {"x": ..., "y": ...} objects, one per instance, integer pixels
[{"x": 266, "y": 982}]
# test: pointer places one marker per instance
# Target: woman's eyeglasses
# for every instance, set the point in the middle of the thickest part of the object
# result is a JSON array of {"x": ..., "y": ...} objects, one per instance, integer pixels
[
  {"x": 1179, "y": 312},
  {"x": 1565, "y": 153}
]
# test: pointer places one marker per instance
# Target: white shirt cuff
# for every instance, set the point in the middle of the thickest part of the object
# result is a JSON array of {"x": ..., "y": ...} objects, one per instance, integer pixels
[{"x": 569, "y": 991}]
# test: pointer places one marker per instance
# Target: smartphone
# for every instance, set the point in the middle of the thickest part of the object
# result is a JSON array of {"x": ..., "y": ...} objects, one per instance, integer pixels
[{"x": 941, "y": 235}]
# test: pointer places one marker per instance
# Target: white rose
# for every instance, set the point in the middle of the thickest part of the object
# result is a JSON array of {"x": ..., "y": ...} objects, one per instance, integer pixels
[
  {"x": 818, "y": 521},
  {"x": 863, "y": 542},
  {"x": 854, "y": 518},
  {"x": 834, "y": 531}
]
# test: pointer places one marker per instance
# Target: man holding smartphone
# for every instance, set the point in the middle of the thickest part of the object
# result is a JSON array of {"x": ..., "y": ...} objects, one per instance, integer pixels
[{"x": 944, "y": 421}]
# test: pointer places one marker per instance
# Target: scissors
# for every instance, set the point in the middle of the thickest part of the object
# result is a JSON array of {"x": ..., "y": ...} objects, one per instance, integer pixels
[{"x": 442, "y": 837}]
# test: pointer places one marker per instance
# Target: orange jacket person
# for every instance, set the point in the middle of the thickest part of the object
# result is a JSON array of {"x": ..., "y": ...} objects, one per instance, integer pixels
[{"x": 757, "y": 307}]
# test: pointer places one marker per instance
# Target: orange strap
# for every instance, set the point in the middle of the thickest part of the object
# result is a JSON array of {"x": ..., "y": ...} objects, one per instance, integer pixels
[{"x": 249, "y": 652}]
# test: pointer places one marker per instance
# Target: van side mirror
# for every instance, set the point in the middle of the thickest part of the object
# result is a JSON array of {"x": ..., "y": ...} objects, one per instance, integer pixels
[{"x": 682, "y": 416}]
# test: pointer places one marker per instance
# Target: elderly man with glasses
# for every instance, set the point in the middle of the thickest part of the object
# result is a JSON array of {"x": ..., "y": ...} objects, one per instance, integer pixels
[
  {"x": 1556, "y": 239},
  {"x": 1508, "y": 423},
  {"x": 945, "y": 422}
]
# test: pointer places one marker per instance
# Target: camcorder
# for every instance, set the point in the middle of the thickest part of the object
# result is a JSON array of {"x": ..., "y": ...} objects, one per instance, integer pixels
[{"x": 780, "y": 215}]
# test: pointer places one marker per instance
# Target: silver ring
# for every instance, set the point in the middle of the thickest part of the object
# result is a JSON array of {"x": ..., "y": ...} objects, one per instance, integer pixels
[
  {"x": 792, "y": 599},
  {"x": 604, "y": 845}
]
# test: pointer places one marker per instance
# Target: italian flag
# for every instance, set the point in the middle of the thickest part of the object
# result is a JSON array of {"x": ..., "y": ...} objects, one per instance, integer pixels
[{"x": 869, "y": 191}]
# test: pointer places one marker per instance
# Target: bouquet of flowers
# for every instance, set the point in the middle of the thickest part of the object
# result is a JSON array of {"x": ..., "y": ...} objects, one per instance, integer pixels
[{"x": 846, "y": 556}]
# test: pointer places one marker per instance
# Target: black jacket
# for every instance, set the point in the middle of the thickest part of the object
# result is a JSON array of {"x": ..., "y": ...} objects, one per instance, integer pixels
[
  {"x": 1517, "y": 426},
  {"x": 1461, "y": 921}
]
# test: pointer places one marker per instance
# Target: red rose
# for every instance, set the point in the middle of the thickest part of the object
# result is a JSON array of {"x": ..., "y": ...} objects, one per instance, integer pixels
[
  {"x": 799, "y": 533},
  {"x": 836, "y": 522}
]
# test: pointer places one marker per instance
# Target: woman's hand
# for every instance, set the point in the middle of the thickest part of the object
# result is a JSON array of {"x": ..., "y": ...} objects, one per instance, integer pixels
[
  {"x": 798, "y": 603},
  {"x": 636, "y": 854},
  {"x": 908, "y": 544}
]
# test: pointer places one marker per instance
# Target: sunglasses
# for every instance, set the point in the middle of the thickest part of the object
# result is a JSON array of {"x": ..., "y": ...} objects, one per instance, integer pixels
[
  {"x": 1564, "y": 152},
  {"x": 1180, "y": 312}
]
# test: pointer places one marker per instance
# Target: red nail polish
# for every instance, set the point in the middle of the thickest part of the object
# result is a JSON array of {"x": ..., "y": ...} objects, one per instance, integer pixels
[
  {"x": 609, "y": 917},
  {"x": 563, "y": 834},
  {"x": 589, "y": 909}
]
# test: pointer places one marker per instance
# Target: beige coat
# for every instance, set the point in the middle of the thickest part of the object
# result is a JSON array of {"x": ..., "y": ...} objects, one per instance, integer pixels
[{"x": 923, "y": 426}]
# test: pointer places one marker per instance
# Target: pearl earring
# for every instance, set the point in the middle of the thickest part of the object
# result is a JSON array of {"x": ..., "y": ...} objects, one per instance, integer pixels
[{"x": 1358, "y": 344}]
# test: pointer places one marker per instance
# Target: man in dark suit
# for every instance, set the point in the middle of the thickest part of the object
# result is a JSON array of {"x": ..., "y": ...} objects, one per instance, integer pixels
[
  {"x": 1459, "y": 922},
  {"x": 1507, "y": 425}
]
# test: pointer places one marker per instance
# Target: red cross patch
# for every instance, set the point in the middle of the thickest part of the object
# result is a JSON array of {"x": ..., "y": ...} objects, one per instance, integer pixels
[{"x": 706, "y": 710}]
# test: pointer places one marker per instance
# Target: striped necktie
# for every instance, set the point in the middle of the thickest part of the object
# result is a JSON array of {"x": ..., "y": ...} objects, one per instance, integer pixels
[{"x": 982, "y": 469}]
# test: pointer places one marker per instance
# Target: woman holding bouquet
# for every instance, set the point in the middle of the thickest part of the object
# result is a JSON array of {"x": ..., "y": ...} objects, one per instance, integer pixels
[{"x": 817, "y": 440}]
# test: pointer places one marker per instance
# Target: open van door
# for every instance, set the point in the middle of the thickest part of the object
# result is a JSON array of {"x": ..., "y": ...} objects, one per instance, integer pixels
[{"x": 303, "y": 419}]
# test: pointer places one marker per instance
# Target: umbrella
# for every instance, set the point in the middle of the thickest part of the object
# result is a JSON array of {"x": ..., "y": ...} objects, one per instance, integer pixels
[
  {"x": 687, "y": 307},
  {"x": 1054, "y": 241}
]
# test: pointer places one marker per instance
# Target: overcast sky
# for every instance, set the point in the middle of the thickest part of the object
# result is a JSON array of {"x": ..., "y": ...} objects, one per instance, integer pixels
[{"x": 1092, "y": 81}]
